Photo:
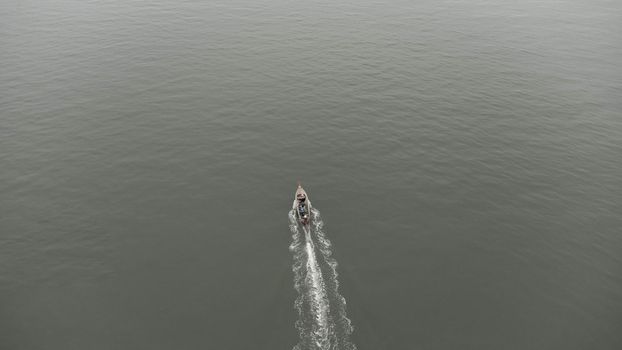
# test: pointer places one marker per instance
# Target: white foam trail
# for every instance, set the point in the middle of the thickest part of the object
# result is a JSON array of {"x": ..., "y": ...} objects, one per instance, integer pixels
[
  {"x": 318, "y": 291},
  {"x": 312, "y": 304},
  {"x": 322, "y": 323},
  {"x": 342, "y": 324}
]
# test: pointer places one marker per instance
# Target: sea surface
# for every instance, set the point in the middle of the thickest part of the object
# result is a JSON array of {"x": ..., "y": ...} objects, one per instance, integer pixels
[{"x": 466, "y": 157}]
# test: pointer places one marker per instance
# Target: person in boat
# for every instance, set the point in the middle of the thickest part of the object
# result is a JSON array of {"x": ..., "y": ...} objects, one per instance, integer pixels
[
  {"x": 302, "y": 208},
  {"x": 301, "y": 197}
]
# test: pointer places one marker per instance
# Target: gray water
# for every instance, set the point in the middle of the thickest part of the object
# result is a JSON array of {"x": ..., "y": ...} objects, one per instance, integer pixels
[{"x": 465, "y": 155}]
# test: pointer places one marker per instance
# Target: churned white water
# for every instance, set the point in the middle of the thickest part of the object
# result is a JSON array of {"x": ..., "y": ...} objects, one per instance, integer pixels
[{"x": 322, "y": 322}]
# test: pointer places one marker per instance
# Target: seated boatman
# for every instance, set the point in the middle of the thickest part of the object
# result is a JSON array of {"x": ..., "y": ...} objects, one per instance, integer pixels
[
  {"x": 302, "y": 210},
  {"x": 301, "y": 198}
]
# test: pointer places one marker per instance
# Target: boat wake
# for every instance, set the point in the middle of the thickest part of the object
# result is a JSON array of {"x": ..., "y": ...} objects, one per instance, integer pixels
[{"x": 322, "y": 321}]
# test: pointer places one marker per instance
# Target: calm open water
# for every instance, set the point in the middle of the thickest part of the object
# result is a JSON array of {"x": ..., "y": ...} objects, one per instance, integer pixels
[{"x": 466, "y": 157}]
